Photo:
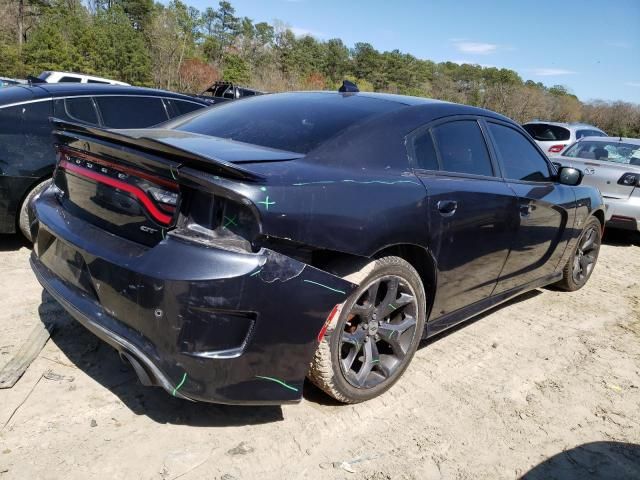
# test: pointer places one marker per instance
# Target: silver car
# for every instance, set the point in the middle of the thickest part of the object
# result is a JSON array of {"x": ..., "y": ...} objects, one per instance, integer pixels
[
  {"x": 613, "y": 166},
  {"x": 553, "y": 137}
]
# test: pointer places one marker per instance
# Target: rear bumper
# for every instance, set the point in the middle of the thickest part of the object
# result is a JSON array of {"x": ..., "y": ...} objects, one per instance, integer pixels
[
  {"x": 204, "y": 323},
  {"x": 623, "y": 214}
]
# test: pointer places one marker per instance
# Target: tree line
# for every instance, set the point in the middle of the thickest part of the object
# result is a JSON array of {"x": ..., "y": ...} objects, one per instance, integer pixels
[{"x": 178, "y": 47}]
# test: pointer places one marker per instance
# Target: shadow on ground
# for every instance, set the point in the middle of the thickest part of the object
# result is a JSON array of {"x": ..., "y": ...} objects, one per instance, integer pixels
[
  {"x": 597, "y": 460},
  {"x": 102, "y": 363},
  {"x": 621, "y": 238},
  {"x": 12, "y": 243}
]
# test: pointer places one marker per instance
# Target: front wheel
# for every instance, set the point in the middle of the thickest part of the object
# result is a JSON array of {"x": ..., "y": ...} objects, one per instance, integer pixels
[
  {"x": 376, "y": 334},
  {"x": 583, "y": 260}
]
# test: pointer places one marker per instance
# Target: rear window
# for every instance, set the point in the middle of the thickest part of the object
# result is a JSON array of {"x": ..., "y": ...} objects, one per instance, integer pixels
[
  {"x": 544, "y": 132},
  {"x": 589, "y": 133},
  {"x": 297, "y": 122}
]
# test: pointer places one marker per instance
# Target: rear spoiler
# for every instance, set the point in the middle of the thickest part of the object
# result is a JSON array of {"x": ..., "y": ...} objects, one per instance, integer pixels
[{"x": 76, "y": 131}]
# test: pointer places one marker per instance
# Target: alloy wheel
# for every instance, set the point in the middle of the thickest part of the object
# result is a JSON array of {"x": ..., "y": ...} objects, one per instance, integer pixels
[
  {"x": 586, "y": 255},
  {"x": 378, "y": 333}
]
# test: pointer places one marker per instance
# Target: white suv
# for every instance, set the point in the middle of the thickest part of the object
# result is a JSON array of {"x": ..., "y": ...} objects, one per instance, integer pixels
[
  {"x": 553, "y": 137},
  {"x": 67, "y": 77}
]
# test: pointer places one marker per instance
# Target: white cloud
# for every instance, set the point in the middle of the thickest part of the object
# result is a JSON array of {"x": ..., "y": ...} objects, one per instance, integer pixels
[
  {"x": 303, "y": 32},
  {"x": 551, "y": 72},
  {"x": 632, "y": 84},
  {"x": 478, "y": 48}
]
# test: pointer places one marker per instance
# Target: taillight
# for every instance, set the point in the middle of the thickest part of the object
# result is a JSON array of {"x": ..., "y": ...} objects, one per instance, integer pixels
[
  {"x": 158, "y": 195},
  {"x": 216, "y": 221},
  {"x": 631, "y": 179},
  {"x": 556, "y": 148}
]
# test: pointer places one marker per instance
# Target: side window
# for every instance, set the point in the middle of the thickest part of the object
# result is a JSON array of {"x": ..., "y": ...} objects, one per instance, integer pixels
[
  {"x": 520, "y": 159},
  {"x": 462, "y": 148},
  {"x": 81, "y": 109},
  {"x": 424, "y": 151},
  {"x": 131, "y": 112},
  {"x": 70, "y": 80},
  {"x": 181, "y": 107}
]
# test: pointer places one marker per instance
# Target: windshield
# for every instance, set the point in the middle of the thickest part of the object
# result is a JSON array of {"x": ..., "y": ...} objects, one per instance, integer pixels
[
  {"x": 296, "y": 122},
  {"x": 618, "y": 152}
]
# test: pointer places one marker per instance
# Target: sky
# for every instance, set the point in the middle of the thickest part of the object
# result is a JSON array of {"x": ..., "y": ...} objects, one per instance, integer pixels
[{"x": 591, "y": 47}]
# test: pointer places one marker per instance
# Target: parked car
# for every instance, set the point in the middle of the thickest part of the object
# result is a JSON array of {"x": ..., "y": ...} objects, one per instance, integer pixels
[
  {"x": 69, "y": 77},
  {"x": 224, "y": 252},
  {"x": 10, "y": 82},
  {"x": 553, "y": 137},
  {"x": 27, "y": 155},
  {"x": 220, "y": 92},
  {"x": 613, "y": 166}
]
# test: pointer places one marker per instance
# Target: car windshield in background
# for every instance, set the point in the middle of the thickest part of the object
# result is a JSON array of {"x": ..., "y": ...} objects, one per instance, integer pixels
[
  {"x": 296, "y": 122},
  {"x": 618, "y": 152},
  {"x": 544, "y": 132}
]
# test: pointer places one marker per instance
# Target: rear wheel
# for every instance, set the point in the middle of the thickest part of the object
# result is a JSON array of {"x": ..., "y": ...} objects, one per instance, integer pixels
[
  {"x": 583, "y": 260},
  {"x": 376, "y": 334},
  {"x": 23, "y": 218}
]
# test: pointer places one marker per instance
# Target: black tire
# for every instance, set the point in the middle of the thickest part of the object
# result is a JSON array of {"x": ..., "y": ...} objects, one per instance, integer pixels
[
  {"x": 23, "y": 217},
  {"x": 583, "y": 259},
  {"x": 382, "y": 359}
]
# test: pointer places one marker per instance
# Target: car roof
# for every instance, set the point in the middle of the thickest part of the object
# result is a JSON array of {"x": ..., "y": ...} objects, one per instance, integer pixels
[
  {"x": 22, "y": 93},
  {"x": 632, "y": 141}
]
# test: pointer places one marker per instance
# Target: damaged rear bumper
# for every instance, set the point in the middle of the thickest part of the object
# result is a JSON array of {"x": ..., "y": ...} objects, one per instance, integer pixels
[{"x": 204, "y": 323}]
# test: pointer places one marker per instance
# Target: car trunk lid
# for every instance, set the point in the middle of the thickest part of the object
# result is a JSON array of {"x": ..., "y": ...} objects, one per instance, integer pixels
[{"x": 132, "y": 183}]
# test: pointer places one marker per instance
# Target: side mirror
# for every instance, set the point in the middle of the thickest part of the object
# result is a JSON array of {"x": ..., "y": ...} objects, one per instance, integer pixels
[{"x": 569, "y": 176}]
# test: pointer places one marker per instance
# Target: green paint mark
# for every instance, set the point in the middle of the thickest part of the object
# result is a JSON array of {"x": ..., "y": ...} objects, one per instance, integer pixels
[
  {"x": 375, "y": 361},
  {"x": 264, "y": 189},
  {"x": 230, "y": 221},
  {"x": 255, "y": 273},
  {"x": 392, "y": 306},
  {"x": 278, "y": 381},
  {"x": 325, "y": 286},
  {"x": 171, "y": 170},
  {"x": 266, "y": 202},
  {"x": 184, "y": 378}
]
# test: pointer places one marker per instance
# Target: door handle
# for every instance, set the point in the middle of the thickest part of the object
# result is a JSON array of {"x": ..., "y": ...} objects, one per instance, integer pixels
[{"x": 447, "y": 207}]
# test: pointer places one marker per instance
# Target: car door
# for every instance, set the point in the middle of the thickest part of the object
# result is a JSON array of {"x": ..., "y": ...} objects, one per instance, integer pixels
[
  {"x": 472, "y": 212},
  {"x": 131, "y": 111},
  {"x": 546, "y": 209}
]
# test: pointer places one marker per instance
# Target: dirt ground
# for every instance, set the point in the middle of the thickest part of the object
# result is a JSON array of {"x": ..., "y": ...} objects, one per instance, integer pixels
[{"x": 547, "y": 386}]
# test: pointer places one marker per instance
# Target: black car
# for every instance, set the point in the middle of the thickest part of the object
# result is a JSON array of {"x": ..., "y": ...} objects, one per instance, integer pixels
[
  {"x": 27, "y": 156},
  {"x": 232, "y": 252},
  {"x": 220, "y": 92}
]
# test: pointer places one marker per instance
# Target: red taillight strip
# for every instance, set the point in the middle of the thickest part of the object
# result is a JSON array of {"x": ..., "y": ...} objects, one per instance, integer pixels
[
  {"x": 120, "y": 168},
  {"x": 112, "y": 182}
]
